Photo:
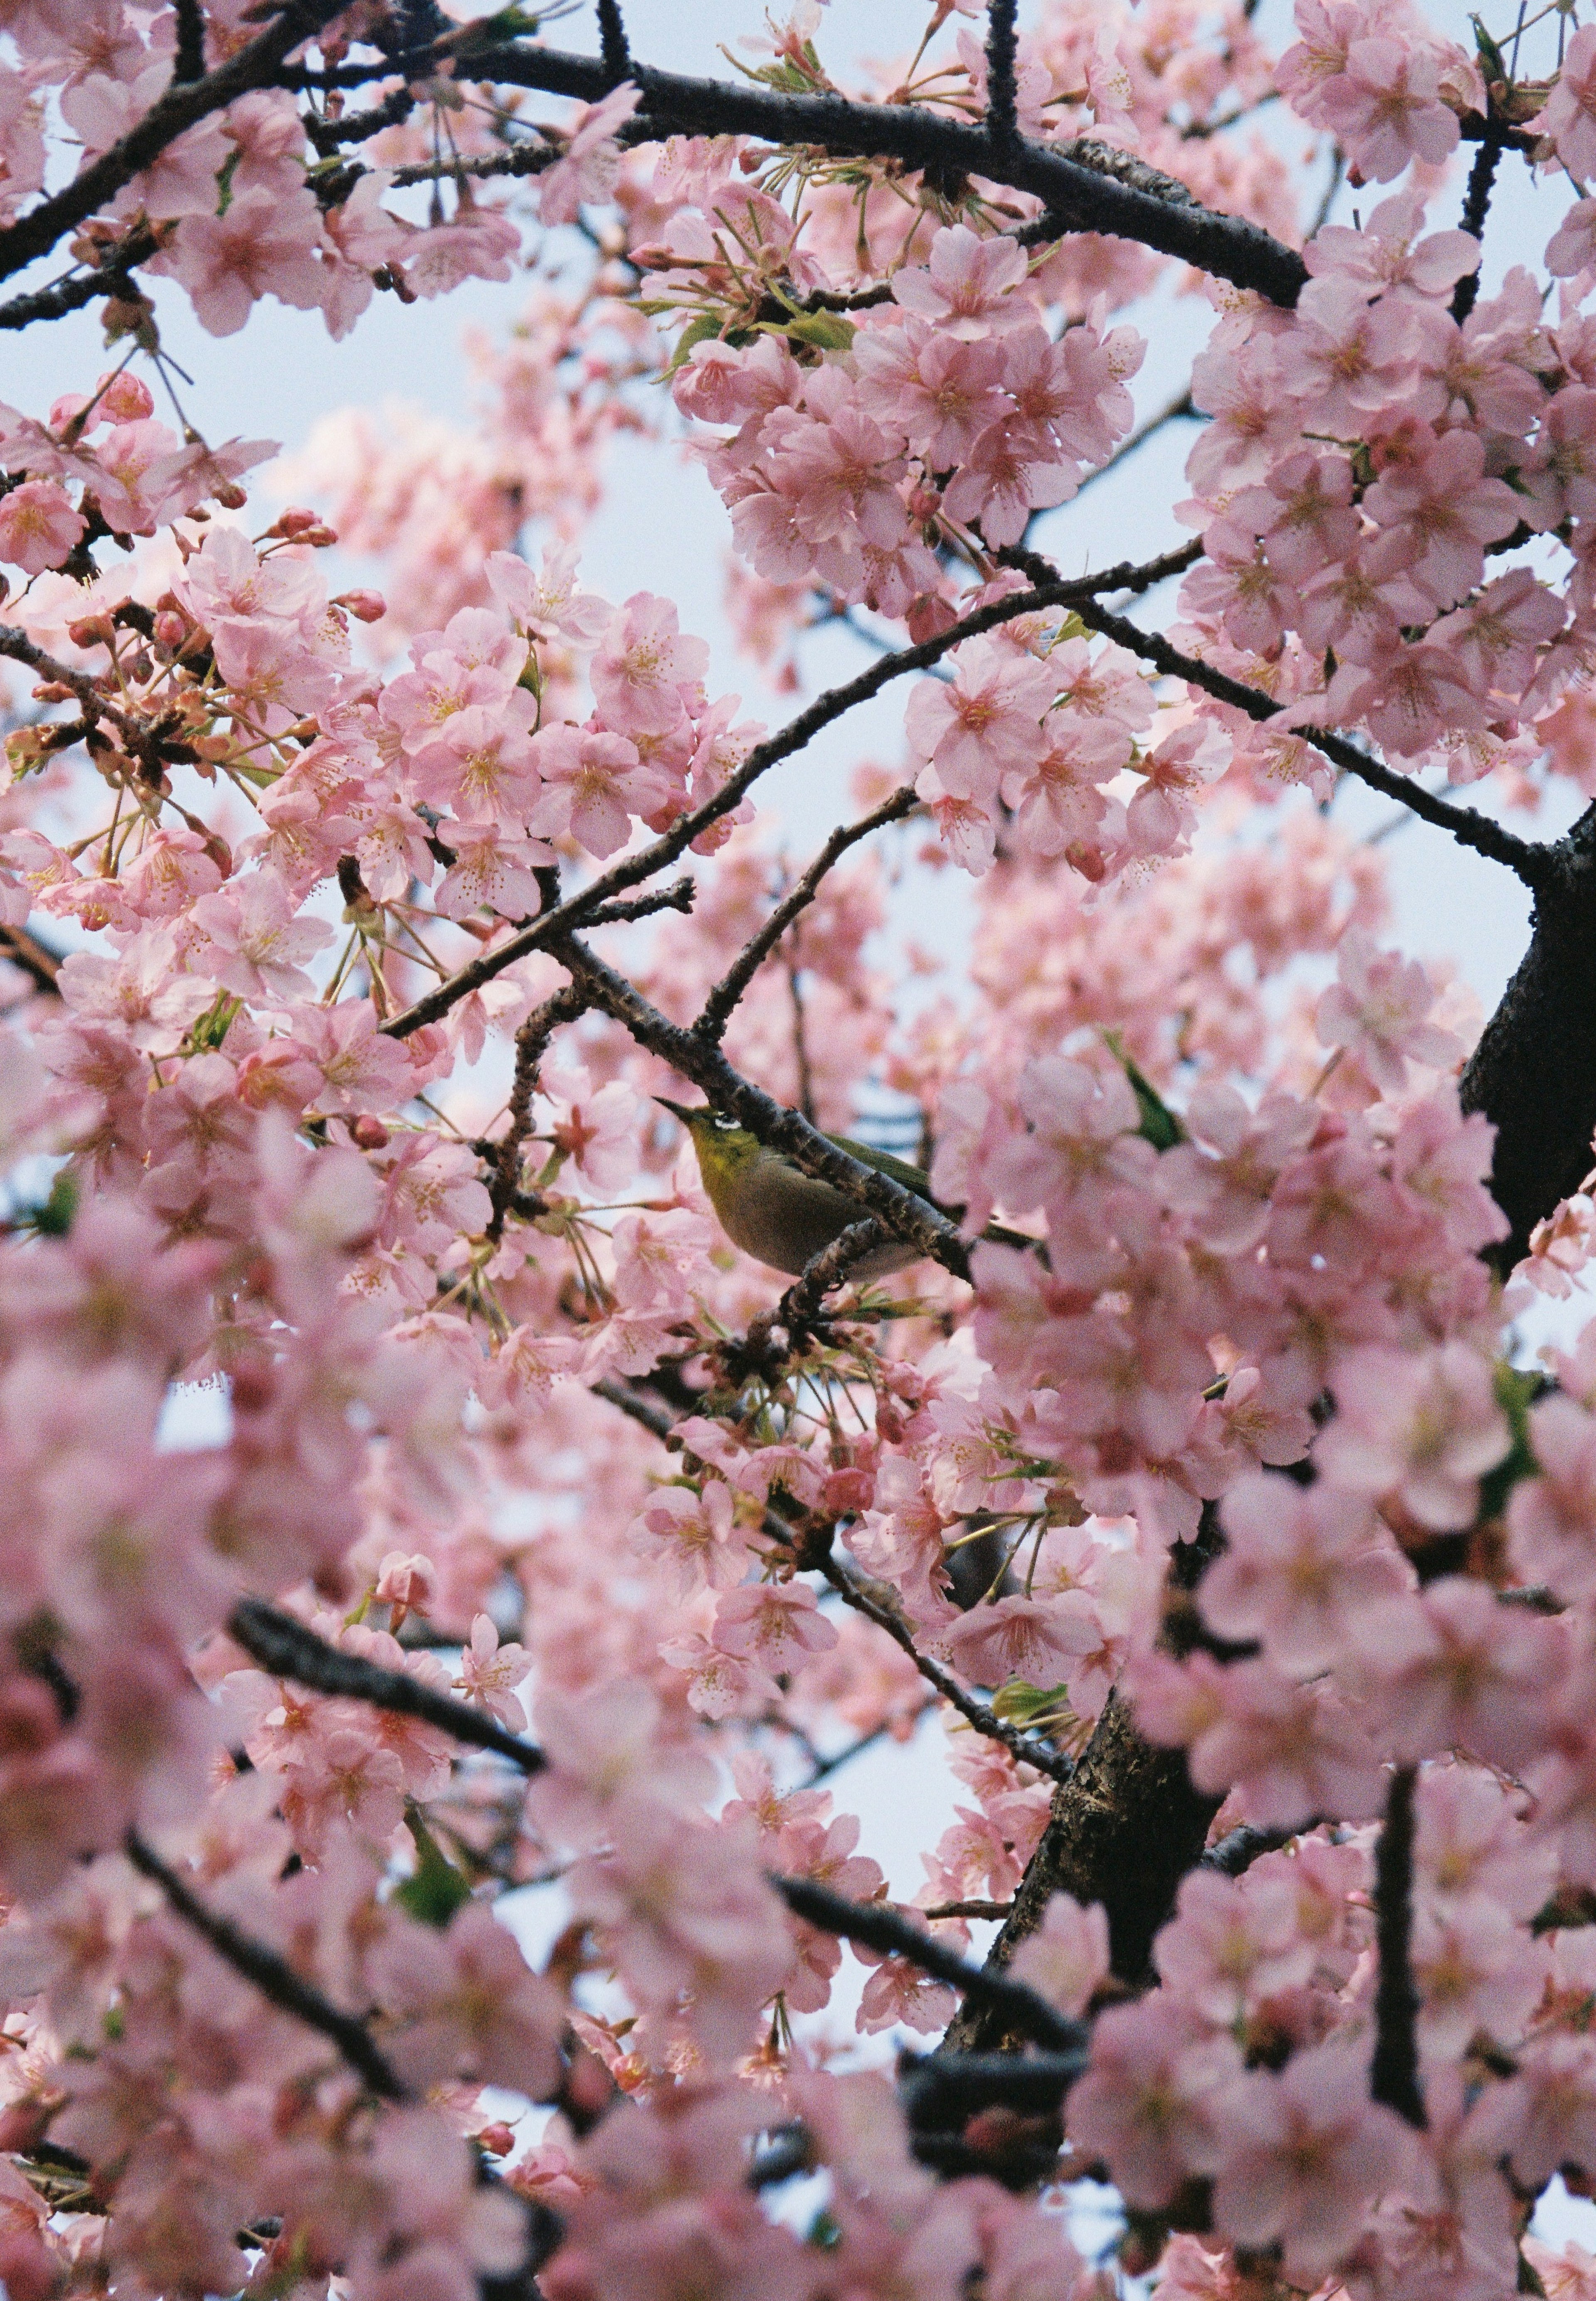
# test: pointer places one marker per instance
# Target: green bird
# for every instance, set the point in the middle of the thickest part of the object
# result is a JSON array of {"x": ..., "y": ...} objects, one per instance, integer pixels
[{"x": 783, "y": 1218}]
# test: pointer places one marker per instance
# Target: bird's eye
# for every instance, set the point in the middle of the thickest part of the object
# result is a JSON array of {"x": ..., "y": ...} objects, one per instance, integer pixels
[{"x": 724, "y": 1125}]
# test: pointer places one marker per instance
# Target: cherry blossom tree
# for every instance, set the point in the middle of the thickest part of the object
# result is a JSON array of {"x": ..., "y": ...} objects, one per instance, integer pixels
[{"x": 1235, "y": 1514}]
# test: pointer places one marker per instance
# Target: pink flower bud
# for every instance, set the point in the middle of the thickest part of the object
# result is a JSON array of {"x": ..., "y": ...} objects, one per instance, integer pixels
[
  {"x": 369, "y": 1132},
  {"x": 365, "y": 607}
]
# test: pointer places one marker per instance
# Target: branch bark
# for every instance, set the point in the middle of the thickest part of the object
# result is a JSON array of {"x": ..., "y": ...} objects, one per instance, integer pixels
[
  {"x": 1533, "y": 1072},
  {"x": 287, "y": 1649}
]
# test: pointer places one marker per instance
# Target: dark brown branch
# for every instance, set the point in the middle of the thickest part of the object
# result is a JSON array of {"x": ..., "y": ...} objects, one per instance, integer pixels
[
  {"x": 1086, "y": 186},
  {"x": 612, "y": 41},
  {"x": 578, "y": 910},
  {"x": 906, "y": 1215},
  {"x": 273, "y": 1975},
  {"x": 257, "y": 65},
  {"x": 1533, "y": 1072},
  {"x": 188, "y": 61},
  {"x": 110, "y": 278},
  {"x": 15, "y": 642},
  {"x": 941, "y": 2090},
  {"x": 1025, "y": 1747},
  {"x": 1002, "y": 125},
  {"x": 1393, "y": 2073},
  {"x": 711, "y": 1024},
  {"x": 531, "y": 1044},
  {"x": 34, "y": 958},
  {"x": 287, "y": 1649},
  {"x": 1476, "y": 204},
  {"x": 1243, "y": 1847},
  {"x": 1524, "y": 857},
  {"x": 896, "y": 1935}
]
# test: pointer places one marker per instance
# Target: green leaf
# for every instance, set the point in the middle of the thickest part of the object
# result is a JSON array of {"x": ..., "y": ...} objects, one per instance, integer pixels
[
  {"x": 1516, "y": 1390},
  {"x": 207, "y": 1031},
  {"x": 698, "y": 332},
  {"x": 224, "y": 180},
  {"x": 436, "y": 1889},
  {"x": 1159, "y": 1126},
  {"x": 827, "y": 332}
]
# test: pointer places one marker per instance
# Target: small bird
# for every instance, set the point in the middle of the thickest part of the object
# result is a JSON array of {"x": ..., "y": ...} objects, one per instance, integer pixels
[{"x": 783, "y": 1218}]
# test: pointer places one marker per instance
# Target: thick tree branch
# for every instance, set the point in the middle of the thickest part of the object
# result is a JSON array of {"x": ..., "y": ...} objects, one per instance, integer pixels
[
  {"x": 1533, "y": 1072},
  {"x": 273, "y": 1975},
  {"x": 287, "y": 1649},
  {"x": 1085, "y": 185},
  {"x": 896, "y": 1935},
  {"x": 1393, "y": 2073}
]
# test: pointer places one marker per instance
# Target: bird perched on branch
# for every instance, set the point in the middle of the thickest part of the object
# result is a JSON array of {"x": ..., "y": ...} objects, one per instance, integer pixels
[{"x": 769, "y": 1206}]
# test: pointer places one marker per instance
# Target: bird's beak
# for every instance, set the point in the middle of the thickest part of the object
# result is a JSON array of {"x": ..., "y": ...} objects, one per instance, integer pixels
[{"x": 677, "y": 1109}]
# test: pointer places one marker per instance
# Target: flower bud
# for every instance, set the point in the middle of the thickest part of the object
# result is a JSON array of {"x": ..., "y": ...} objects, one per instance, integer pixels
[
  {"x": 369, "y": 1134},
  {"x": 365, "y": 607}
]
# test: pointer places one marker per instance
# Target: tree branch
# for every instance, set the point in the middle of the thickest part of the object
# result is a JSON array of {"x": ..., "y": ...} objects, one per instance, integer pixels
[
  {"x": 256, "y": 66},
  {"x": 896, "y": 1935},
  {"x": 188, "y": 61},
  {"x": 273, "y": 1975},
  {"x": 577, "y": 911},
  {"x": 109, "y": 277},
  {"x": 1002, "y": 125},
  {"x": 1086, "y": 185},
  {"x": 1025, "y": 1747},
  {"x": 906, "y": 1215},
  {"x": 1393, "y": 2073},
  {"x": 15, "y": 642},
  {"x": 711, "y": 1024},
  {"x": 531, "y": 1044},
  {"x": 1524, "y": 857},
  {"x": 612, "y": 41},
  {"x": 287, "y": 1649},
  {"x": 1533, "y": 1072}
]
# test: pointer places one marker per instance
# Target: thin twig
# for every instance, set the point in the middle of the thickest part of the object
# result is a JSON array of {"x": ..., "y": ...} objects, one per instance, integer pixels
[
  {"x": 272, "y": 1975},
  {"x": 1393, "y": 2072},
  {"x": 894, "y": 1934},
  {"x": 15, "y": 642},
  {"x": 285, "y": 1649},
  {"x": 531, "y": 1044},
  {"x": 576, "y": 912},
  {"x": 905, "y": 1214},
  {"x": 717, "y": 1009},
  {"x": 1023, "y": 1746},
  {"x": 1527, "y": 860}
]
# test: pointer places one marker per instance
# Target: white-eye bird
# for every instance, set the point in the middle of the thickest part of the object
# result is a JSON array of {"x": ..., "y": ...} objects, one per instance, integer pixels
[{"x": 771, "y": 1210}]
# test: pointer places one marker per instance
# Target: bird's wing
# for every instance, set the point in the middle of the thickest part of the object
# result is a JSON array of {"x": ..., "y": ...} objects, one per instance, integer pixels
[{"x": 896, "y": 1170}]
